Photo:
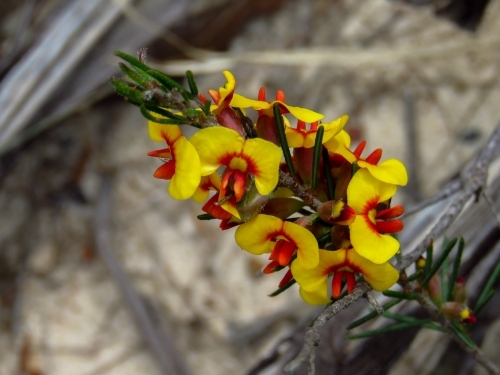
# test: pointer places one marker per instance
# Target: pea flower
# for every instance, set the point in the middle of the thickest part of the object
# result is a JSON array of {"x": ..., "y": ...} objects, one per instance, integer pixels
[
  {"x": 218, "y": 146},
  {"x": 391, "y": 171},
  {"x": 182, "y": 165},
  {"x": 207, "y": 183},
  {"x": 364, "y": 194},
  {"x": 283, "y": 239},
  {"x": 303, "y": 137},
  {"x": 343, "y": 264}
]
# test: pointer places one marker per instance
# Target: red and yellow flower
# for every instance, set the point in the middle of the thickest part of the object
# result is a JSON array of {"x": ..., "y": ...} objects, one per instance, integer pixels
[
  {"x": 207, "y": 183},
  {"x": 368, "y": 231},
  {"x": 219, "y": 146},
  {"x": 283, "y": 239},
  {"x": 391, "y": 171},
  {"x": 302, "y": 136},
  {"x": 343, "y": 265},
  {"x": 182, "y": 166}
]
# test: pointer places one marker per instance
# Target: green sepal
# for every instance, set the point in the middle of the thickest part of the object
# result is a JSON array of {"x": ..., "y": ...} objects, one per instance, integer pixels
[
  {"x": 435, "y": 267},
  {"x": 318, "y": 143},
  {"x": 205, "y": 217},
  {"x": 191, "y": 82},
  {"x": 282, "y": 289},
  {"x": 373, "y": 314},
  {"x": 282, "y": 137}
]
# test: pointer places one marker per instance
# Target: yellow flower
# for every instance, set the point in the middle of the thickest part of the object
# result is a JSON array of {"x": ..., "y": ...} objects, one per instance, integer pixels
[
  {"x": 342, "y": 264},
  {"x": 283, "y": 239}
]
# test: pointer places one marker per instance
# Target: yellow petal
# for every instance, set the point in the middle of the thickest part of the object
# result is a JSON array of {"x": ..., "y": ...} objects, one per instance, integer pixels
[
  {"x": 378, "y": 248},
  {"x": 307, "y": 246},
  {"x": 391, "y": 171},
  {"x": 364, "y": 188},
  {"x": 265, "y": 159},
  {"x": 254, "y": 236},
  {"x": 214, "y": 144},
  {"x": 318, "y": 297},
  {"x": 380, "y": 276},
  {"x": 162, "y": 133},
  {"x": 240, "y": 101},
  {"x": 295, "y": 137},
  {"x": 207, "y": 183},
  {"x": 230, "y": 207},
  {"x": 187, "y": 170},
  {"x": 228, "y": 88},
  {"x": 340, "y": 144},
  {"x": 302, "y": 114}
]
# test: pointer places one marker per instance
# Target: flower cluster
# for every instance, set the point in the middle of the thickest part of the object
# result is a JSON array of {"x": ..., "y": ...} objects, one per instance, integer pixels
[{"x": 334, "y": 220}]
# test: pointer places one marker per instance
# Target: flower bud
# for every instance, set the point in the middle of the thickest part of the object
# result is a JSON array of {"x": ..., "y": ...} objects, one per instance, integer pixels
[
  {"x": 420, "y": 263},
  {"x": 458, "y": 312},
  {"x": 434, "y": 290},
  {"x": 459, "y": 292},
  {"x": 336, "y": 212}
]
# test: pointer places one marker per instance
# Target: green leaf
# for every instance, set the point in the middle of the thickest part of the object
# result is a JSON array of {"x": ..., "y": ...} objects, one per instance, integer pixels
[
  {"x": 428, "y": 259},
  {"x": 281, "y": 134},
  {"x": 415, "y": 276},
  {"x": 484, "y": 302},
  {"x": 165, "y": 113},
  {"x": 170, "y": 84},
  {"x": 206, "y": 107},
  {"x": 132, "y": 94},
  {"x": 446, "y": 251},
  {"x": 164, "y": 121},
  {"x": 391, "y": 328},
  {"x": 282, "y": 289},
  {"x": 485, "y": 294},
  {"x": 133, "y": 75},
  {"x": 409, "y": 319},
  {"x": 454, "y": 272},
  {"x": 318, "y": 144},
  {"x": 191, "y": 83},
  {"x": 402, "y": 295},
  {"x": 132, "y": 61},
  {"x": 462, "y": 335},
  {"x": 205, "y": 217},
  {"x": 373, "y": 314}
]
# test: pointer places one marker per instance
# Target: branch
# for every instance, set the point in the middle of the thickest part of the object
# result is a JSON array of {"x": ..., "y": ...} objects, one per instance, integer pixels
[
  {"x": 473, "y": 180},
  {"x": 291, "y": 183},
  {"x": 312, "y": 336}
]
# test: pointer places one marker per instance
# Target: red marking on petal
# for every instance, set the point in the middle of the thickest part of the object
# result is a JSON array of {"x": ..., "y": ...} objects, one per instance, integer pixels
[
  {"x": 288, "y": 276},
  {"x": 371, "y": 204},
  {"x": 270, "y": 268},
  {"x": 203, "y": 98},
  {"x": 280, "y": 95},
  {"x": 228, "y": 224},
  {"x": 351, "y": 281},
  {"x": 389, "y": 226},
  {"x": 166, "y": 171},
  {"x": 391, "y": 213},
  {"x": 163, "y": 153},
  {"x": 286, "y": 253},
  {"x": 337, "y": 284},
  {"x": 212, "y": 208},
  {"x": 215, "y": 95},
  {"x": 369, "y": 224},
  {"x": 346, "y": 217},
  {"x": 336, "y": 160},
  {"x": 359, "y": 150},
  {"x": 314, "y": 126},
  {"x": 374, "y": 157},
  {"x": 262, "y": 94}
]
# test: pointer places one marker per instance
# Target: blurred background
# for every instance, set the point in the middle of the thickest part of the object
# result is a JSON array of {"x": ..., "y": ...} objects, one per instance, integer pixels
[{"x": 101, "y": 272}]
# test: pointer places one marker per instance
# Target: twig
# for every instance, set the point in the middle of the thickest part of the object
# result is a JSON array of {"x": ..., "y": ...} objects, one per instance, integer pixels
[
  {"x": 473, "y": 181},
  {"x": 313, "y": 337},
  {"x": 291, "y": 183},
  {"x": 162, "y": 347},
  {"x": 379, "y": 309}
]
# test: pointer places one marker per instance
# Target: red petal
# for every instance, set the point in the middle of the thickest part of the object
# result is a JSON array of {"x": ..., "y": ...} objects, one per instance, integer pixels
[
  {"x": 163, "y": 153},
  {"x": 276, "y": 251},
  {"x": 262, "y": 94},
  {"x": 374, "y": 157},
  {"x": 301, "y": 125},
  {"x": 280, "y": 95},
  {"x": 391, "y": 213},
  {"x": 240, "y": 179},
  {"x": 359, "y": 150},
  {"x": 286, "y": 253},
  {"x": 288, "y": 276},
  {"x": 270, "y": 267},
  {"x": 203, "y": 98},
  {"x": 389, "y": 226},
  {"x": 215, "y": 96},
  {"x": 337, "y": 284},
  {"x": 166, "y": 171}
]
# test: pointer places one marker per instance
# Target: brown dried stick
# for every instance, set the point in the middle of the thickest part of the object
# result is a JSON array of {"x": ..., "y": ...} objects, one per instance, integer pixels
[
  {"x": 313, "y": 335},
  {"x": 473, "y": 181}
]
